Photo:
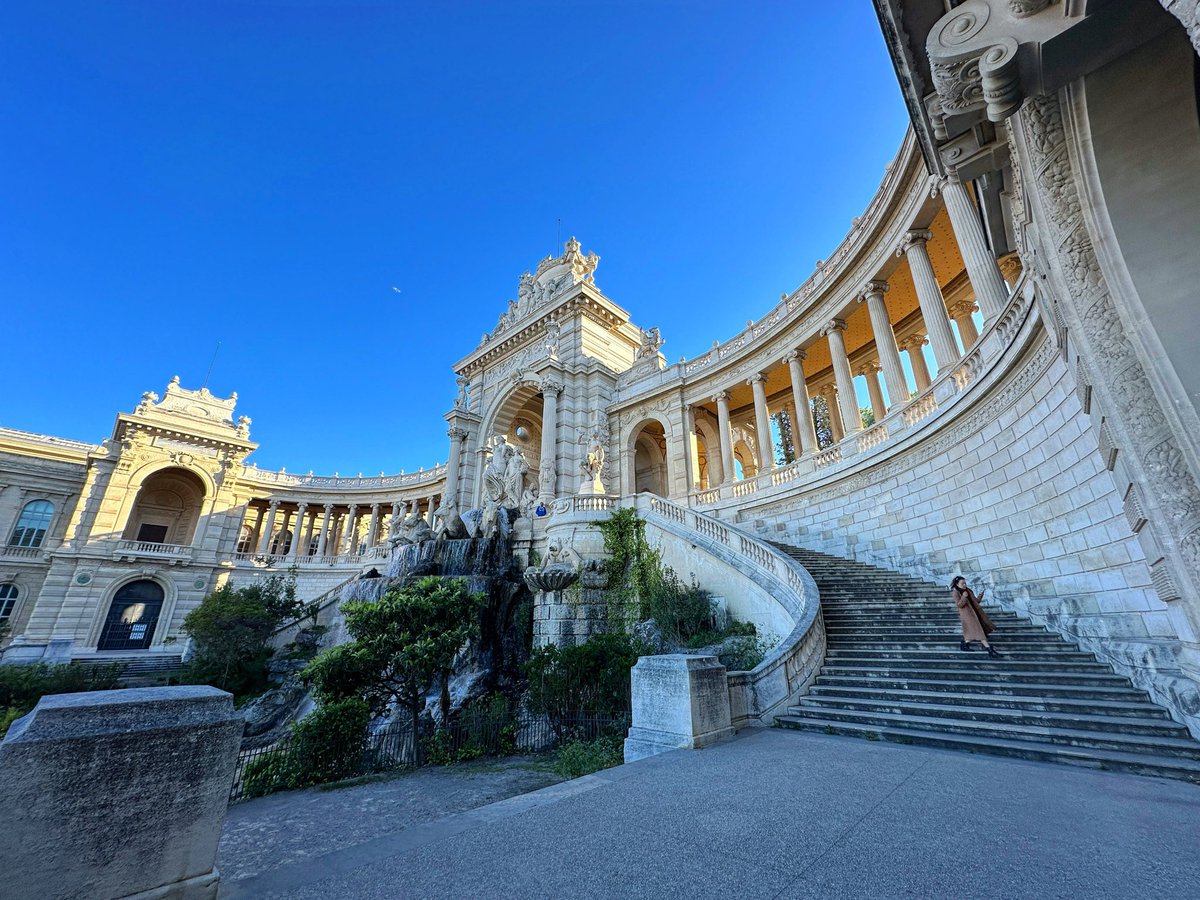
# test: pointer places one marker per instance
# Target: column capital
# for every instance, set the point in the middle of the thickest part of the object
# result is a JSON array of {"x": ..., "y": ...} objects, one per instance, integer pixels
[
  {"x": 798, "y": 355},
  {"x": 720, "y": 396},
  {"x": 1010, "y": 266},
  {"x": 273, "y": 504},
  {"x": 328, "y": 507},
  {"x": 914, "y": 342},
  {"x": 375, "y": 507},
  {"x": 875, "y": 286},
  {"x": 550, "y": 386},
  {"x": 962, "y": 308},
  {"x": 868, "y": 369},
  {"x": 456, "y": 433},
  {"x": 301, "y": 505},
  {"x": 834, "y": 325},
  {"x": 756, "y": 378},
  {"x": 918, "y": 237}
]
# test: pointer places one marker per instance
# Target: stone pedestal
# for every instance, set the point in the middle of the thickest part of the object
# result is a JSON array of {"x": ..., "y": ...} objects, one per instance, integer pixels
[
  {"x": 118, "y": 793},
  {"x": 679, "y": 702}
]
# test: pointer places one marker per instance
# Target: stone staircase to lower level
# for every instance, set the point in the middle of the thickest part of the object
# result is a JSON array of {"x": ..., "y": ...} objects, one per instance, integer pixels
[
  {"x": 894, "y": 671},
  {"x": 138, "y": 670}
]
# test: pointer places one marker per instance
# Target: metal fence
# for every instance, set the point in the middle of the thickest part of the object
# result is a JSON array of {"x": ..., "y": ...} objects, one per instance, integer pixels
[{"x": 469, "y": 736}]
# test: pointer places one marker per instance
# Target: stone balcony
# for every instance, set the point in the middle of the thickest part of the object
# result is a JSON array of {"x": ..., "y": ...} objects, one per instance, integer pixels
[{"x": 171, "y": 553}]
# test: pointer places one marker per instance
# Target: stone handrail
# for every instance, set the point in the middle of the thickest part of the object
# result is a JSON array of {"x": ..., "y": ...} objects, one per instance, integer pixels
[
  {"x": 271, "y": 560},
  {"x": 404, "y": 479},
  {"x": 793, "y": 663},
  {"x": 23, "y": 552},
  {"x": 47, "y": 440}
]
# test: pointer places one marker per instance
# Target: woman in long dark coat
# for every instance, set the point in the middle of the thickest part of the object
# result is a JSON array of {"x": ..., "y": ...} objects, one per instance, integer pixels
[{"x": 976, "y": 625}]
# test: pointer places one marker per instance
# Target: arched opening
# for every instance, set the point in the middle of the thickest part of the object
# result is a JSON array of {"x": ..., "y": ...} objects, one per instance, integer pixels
[
  {"x": 281, "y": 543},
  {"x": 519, "y": 420},
  {"x": 32, "y": 524},
  {"x": 650, "y": 459},
  {"x": 167, "y": 508},
  {"x": 744, "y": 459},
  {"x": 132, "y": 616}
]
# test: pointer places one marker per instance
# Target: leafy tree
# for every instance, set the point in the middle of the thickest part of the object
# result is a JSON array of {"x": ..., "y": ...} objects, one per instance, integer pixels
[
  {"x": 785, "y": 451},
  {"x": 867, "y": 415},
  {"x": 822, "y": 421},
  {"x": 231, "y": 630},
  {"x": 402, "y": 642}
]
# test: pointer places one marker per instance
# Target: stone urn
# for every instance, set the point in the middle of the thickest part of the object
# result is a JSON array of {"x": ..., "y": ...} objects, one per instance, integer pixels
[
  {"x": 595, "y": 574},
  {"x": 551, "y": 579}
]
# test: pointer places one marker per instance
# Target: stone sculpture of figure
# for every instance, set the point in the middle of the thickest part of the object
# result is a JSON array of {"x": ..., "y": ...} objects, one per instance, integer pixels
[
  {"x": 149, "y": 398},
  {"x": 593, "y": 465},
  {"x": 415, "y": 529},
  {"x": 514, "y": 477},
  {"x": 553, "y": 332},
  {"x": 462, "y": 402},
  {"x": 243, "y": 426},
  {"x": 651, "y": 341},
  {"x": 528, "y": 503},
  {"x": 497, "y": 469},
  {"x": 449, "y": 524}
]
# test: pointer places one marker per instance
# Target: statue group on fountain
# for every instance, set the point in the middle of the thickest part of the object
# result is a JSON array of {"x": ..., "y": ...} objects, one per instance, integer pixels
[{"x": 504, "y": 486}]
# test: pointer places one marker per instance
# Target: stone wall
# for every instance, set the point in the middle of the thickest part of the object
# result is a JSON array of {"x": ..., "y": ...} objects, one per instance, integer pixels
[{"x": 1014, "y": 496}]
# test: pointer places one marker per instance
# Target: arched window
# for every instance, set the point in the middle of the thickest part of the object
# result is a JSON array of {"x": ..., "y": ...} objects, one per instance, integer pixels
[
  {"x": 8, "y": 600},
  {"x": 246, "y": 541},
  {"x": 32, "y": 524}
]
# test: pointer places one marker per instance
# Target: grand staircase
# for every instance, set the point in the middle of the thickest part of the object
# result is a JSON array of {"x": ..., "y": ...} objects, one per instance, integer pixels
[{"x": 894, "y": 671}]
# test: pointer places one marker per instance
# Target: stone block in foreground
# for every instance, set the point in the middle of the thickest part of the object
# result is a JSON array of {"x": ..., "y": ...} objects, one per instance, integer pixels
[
  {"x": 679, "y": 702},
  {"x": 117, "y": 794}
]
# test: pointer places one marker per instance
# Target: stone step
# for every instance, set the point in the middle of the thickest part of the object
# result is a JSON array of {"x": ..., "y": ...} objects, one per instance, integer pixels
[
  {"x": 940, "y": 610},
  {"x": 953, "y": 658},
  {"x": 945, "y": 633},
  {"x": 1073, "y": 718},
  {"x": 946, "y": 649},
  {"x": 1094, "y": 758},
  {"x": 1041, "y": 698},
  {"x": 946, "y": 673},
  {"x": 1083, "y": 687},
  {"x": 1183, "y": 748}
]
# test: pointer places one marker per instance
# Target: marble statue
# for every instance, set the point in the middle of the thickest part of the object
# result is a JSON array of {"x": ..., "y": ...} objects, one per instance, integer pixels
[{"x": 593, "y": 465}]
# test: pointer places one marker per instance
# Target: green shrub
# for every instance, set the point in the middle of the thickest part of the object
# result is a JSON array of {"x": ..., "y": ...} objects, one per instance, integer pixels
[
  {"x": 22, "y": 686},
  {"x": 326, "y": 745},
  {"x": 231, "y": 630},
  {"x": 8, "y": 715},
  {"x": 577, "y": 758},
  {"x": 745, "y": 653},
  {"x": 590, "y": 678},
  {"x": 484, "y": 727},
  {"x": 708, "y": 637}
]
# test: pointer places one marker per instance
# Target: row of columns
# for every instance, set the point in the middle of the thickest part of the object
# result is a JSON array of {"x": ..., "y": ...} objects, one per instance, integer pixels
[
  {"x": 991, "y": 294},
  {"x": 345, "y": 526}
]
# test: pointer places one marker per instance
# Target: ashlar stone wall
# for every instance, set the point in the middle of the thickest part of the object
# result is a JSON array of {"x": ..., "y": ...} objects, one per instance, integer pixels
[{"x": 1014, "y": 496}]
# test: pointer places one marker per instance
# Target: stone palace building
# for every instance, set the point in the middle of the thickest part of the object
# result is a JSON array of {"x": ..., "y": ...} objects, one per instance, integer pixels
[{"x": 1032, "y": 250}]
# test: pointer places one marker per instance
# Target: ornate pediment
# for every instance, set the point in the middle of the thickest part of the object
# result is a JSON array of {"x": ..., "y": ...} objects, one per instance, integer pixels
[{"x": 535, "y": 291}]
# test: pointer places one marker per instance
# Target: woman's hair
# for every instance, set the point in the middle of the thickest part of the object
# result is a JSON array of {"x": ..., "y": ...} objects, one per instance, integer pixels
[{"x": 954, "y": 582}]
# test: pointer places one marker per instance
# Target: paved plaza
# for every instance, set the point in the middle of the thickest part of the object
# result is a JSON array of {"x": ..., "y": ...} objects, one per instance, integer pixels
[{"x": 770, "y": 814}]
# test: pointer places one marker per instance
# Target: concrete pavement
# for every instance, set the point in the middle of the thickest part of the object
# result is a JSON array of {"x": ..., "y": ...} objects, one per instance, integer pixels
[{"x": 777, "y": 814}]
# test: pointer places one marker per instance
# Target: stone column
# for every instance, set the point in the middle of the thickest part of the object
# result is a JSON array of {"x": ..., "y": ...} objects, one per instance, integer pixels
[
  {"x": 429, "y": 506},
  {"x": 851, "y": 419},
  {"x": 258, "y": 528},
  {"x": 804, "y": 431},
  {"x": 548, "y": 466},
  {"x": 990, "y": 290},
  {"x": 762, "y": 423},
  {"x": 394, "y": 523},
  {"x": 885, "y": 342},
  {"x": 917, "y": 358},
  {"x": 835, "y": 413},
  {"x": 298, "y": 531},
  {"x": 309, "y": 527},
  {"x": 283, "y": 529},
  {"x": 373, "y": 528},
  {"x": 321, "y": 541},
  {"x": 458, "y": 443},
  {"x": 929, "y": 295},
  {"x": 712, "y": 456},
  {"x": 264, "y": 541},
  {"x": 961, "y": 312},
  {"x": 722, "y": 401},
  {"x": 874, "y": 391},
  {"x": 348, "y": 529}
]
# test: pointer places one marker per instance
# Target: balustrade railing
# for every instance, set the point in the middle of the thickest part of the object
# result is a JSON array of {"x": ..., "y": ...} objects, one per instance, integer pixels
[
  {"x": 22, "y": 552},
  {"x": 151, "y": 548},
  {"x": 794, "y": 661},
  {"x": 264, "y": 476},
  {"x": 827, "y": 457},
  {"x": 593, "y": 503},
  {"x": 744, "y": 488},
  {"x": 711, "y": 495},
  {"x": 872, "y": 437},
  {"x": 922, "y": 407}
]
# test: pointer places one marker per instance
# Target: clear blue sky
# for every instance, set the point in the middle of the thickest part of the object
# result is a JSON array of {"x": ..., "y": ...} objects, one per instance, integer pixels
[{"x": 264, "y": 173}]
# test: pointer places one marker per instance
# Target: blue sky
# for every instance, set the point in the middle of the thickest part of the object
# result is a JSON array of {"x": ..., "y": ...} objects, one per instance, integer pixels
[{"x": 264, "y": 173}]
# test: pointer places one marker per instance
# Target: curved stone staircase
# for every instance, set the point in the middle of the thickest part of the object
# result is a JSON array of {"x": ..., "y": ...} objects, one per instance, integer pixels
[{"x": 894, "y": 671}]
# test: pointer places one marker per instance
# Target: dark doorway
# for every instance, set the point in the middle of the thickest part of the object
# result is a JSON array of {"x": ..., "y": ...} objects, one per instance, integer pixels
[{"x": 132, "y": 617}]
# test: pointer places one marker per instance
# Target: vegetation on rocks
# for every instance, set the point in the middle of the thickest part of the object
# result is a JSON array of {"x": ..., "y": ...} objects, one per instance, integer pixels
[
  {"x": 22, "y": 686},
  {"x": 231, "y": 632}
]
